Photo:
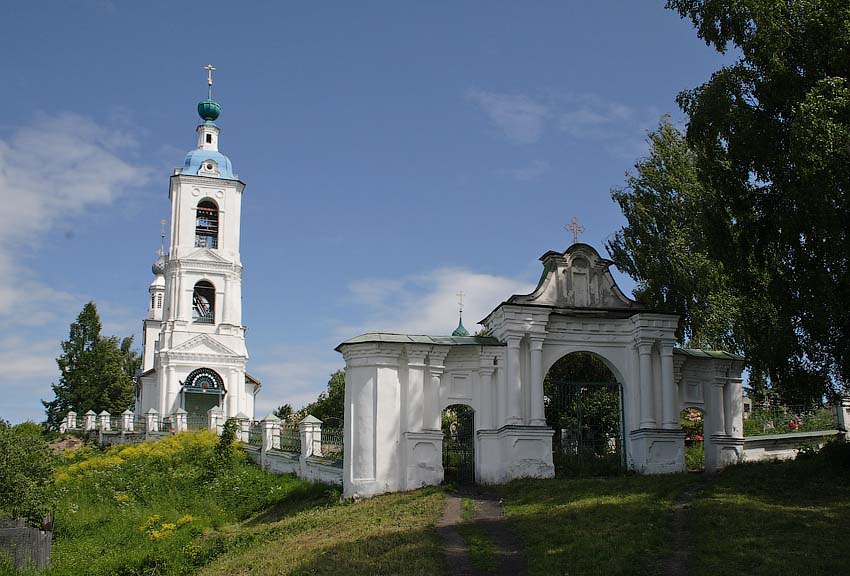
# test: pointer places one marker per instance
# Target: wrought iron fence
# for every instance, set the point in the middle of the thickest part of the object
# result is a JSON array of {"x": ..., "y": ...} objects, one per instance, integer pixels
[
  {"x": 255, "y": 434},
  {"x": 587, "y": 418},
  {"x": 165, "y": 425},
  {"x": 331, "y": 445},
  {"x": 197, "y": 422},
  {"x": 290, "y": 438},
  {"x": 140, "y": 425},
  {"x": 764, "y": 420}
]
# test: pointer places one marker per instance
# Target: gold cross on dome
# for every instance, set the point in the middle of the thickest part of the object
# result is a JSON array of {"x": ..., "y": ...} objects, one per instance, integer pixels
[
  {"x": 575, "y": 229},
  {"x": 460, "y": 301}
]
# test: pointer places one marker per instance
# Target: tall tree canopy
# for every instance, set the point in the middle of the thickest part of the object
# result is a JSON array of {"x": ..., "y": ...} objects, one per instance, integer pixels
[
  {"x": 769, "y": 142},
  {"x": 96, "y": 372},
  {"x": 330, "y": 405},
  {"x": 664, "y": 245}
]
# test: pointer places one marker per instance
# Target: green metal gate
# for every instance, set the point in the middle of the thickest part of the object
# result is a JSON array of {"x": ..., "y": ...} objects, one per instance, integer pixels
[
  {"x": 459, "y": 445},
  {"x": 587, "y": 418}
]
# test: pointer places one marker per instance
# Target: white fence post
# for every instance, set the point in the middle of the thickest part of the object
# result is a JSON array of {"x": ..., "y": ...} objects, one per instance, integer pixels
[
  {"x": 104, "y": 421},
  {"x": 311, "y": 433},
  {"x": 152, "y": 420},
  {"x": 71, "y": 420},
  {"x": 271, "y": 437},
  {"x": 842, "y": 416},
  {"x": 89, "y": 423},
  {"x": 243, "y": 429},
  {"x": 180, "y": 420},
  {"x": 216, "y": 419},
  {"x": 127, "y": 421}
]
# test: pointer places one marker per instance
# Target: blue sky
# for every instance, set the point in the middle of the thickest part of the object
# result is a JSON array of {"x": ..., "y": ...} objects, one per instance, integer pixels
[{"x": 395, "y": 153}]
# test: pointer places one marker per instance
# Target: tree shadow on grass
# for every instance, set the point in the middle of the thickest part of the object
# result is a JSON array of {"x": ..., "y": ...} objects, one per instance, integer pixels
[
  {"x": 302, "y": 497},
  {"x": 617, "y": 525},
  {"x": 774, "y": 517}
]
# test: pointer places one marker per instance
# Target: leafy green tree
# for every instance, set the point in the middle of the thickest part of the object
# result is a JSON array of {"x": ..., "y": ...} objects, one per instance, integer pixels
[
  {"x": 96, "y": 372},
  {"x": 26, "y": 473},
  {"x": 772, "y": 133},
  {"x": 330, "y": 405},
  {"x": 664, "y": 244},
  {"x": 284, "y": 412}
]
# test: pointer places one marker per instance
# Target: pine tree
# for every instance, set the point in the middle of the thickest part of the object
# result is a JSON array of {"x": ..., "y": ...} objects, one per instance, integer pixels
[{"x": 96, "y": 372}]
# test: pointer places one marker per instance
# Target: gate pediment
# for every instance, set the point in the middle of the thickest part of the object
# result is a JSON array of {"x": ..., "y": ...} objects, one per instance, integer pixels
[{"x": 578, "y": 278}]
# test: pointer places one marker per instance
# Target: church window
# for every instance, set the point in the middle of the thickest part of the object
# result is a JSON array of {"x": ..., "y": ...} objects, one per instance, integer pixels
[
  {"x": 206, "y": 225},
  {"x": 203, "y": 303},
  {"x": 159, "y": 300},
  {"x": 209, "y": 140},
  {"x": 152, "y": 298}
]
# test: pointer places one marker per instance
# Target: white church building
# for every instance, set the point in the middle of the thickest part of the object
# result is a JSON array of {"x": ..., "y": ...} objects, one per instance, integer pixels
[{"x": 194, "y": 342}]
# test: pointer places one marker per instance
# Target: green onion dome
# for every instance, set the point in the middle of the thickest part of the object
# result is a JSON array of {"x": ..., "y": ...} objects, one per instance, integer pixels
[{"x": 209, "y": 109}]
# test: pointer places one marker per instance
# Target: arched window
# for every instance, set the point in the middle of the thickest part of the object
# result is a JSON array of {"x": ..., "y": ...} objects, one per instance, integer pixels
[
  {"x": 206, "y": 225},
  {"x": 203, "y": 303}
]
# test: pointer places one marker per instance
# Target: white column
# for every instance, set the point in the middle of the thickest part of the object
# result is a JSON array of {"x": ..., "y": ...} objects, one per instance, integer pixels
[
  {"x": 718, "y": 421},
  {"x": 226, "y": 302},
  {"x": 733, "y": 407},
  {"x": 538, "y": 415},
  {"x": 514, "y": 385},
  {"x": 232, "y": 398},
  {"x": 488, "y": 390},
  {"x": 669, "y": 392},
  {"x": 647, "y": 402},
  {"x": 416, "y": 417},
  {"x": 172, "y": 385},
  {"x": 433, "y": 412}
]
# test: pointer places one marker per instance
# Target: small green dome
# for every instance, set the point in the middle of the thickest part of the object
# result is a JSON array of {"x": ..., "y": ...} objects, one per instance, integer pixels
[
  {"x": 460, "y": 330},
  {"x": 209, "y": 109}
]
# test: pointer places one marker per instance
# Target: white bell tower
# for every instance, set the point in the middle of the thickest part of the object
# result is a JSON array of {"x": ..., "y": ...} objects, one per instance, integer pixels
[{"x": 198, "y": 359}]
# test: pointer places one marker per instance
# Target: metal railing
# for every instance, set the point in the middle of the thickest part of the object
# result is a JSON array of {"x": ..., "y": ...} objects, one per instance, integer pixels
[
  {"x": 165, "y": 425},
  {"x": 330, "y": 444},
  {"x": 290, "y": 438},
  {"x": 765, "y": 420},
  {"x": 197, "y": 422},
  {"x": 255, "y": 434}
]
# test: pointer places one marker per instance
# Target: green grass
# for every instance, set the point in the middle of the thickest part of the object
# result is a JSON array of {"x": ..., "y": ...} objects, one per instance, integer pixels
[
  {"x": 389, "y": 534},
  {"x": 166, "y": 509},
  {"x": 481, "y": 550},
  {"x": 594, "y": 526},
  {"x": 775, "y": 518},
  {"x": 163, "y": 507}
]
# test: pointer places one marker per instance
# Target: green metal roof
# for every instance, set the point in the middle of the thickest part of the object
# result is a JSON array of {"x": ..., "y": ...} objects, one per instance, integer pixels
[
  {"x": 717, "y": 354},
  {"x": 422, "y": 339}
]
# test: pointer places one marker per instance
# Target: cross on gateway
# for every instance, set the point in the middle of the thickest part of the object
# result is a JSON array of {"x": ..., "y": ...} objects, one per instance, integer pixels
[{"x": 575, "y": 229}]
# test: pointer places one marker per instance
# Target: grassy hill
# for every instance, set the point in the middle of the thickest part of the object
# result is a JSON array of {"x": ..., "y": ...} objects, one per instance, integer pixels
[{"x": 173, "y": 507}]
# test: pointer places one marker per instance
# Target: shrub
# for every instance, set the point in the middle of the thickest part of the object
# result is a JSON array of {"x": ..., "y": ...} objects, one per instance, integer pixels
[{"x": 26, "y": 473}]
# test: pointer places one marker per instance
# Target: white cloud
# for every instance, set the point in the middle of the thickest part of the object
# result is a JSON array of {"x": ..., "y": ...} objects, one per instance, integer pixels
[
  {"x": 54, "y": 169},
  {"x": 295, "y": 375},
  {"x": 585, "y": 117},
  {"x": 519, "y": 117},
  {"x": 51, "y": 171},
  {"x": 427, "y": 303}
]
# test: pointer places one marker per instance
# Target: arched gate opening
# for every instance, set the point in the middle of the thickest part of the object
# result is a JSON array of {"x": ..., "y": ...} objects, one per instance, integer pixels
[
  {"x": 459, "y": 445},
  {"x": 584, "y": 406}
]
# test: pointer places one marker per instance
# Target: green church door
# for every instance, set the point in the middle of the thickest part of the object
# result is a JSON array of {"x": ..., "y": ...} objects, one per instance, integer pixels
[{"x": 197, "y": 406}]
